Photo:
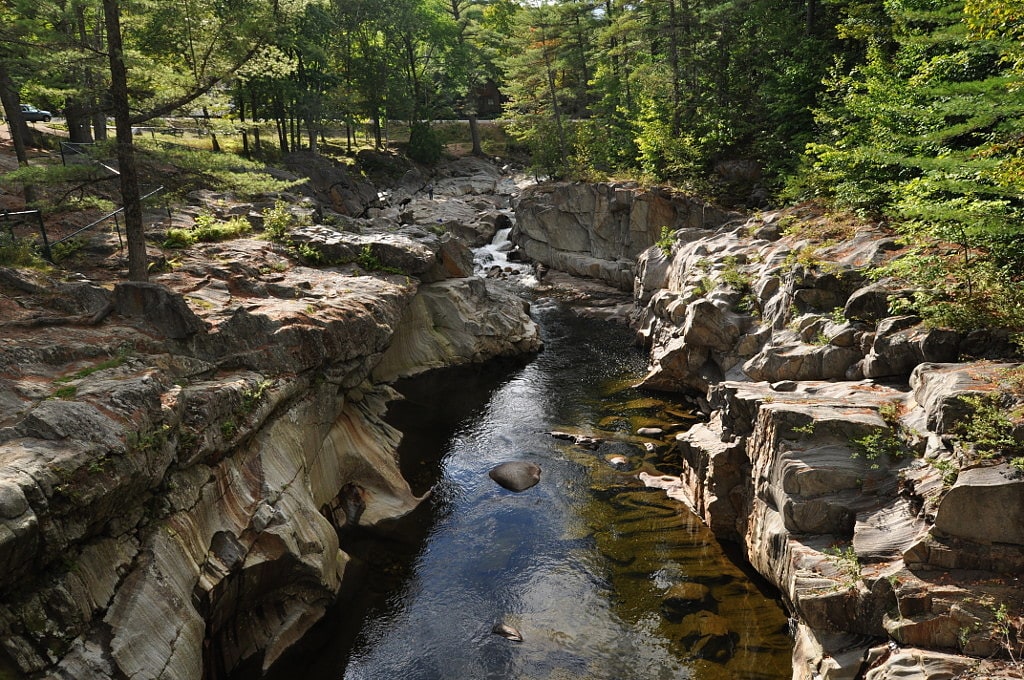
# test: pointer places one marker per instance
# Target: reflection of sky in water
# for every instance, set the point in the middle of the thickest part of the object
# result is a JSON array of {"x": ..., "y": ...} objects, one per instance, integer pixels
[{"x": 531, "y": 560}]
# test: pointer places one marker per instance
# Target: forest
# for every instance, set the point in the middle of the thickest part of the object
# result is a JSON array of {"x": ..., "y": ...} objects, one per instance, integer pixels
[{"x": 906, "y": 112}]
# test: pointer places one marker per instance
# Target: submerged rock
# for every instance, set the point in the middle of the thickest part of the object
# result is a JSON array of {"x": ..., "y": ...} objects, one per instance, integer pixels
[
  {"x": 683, "y": 599},
  {"x": 708, "y": 636}
]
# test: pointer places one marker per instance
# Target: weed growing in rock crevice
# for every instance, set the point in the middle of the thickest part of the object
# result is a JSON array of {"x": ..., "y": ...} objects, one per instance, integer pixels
[
  {"x": 846, "y": 561},
  {"x": 878, "y": 444},
  {"x": 666, "y": 240},
  {"x": 988, "y": 430}
]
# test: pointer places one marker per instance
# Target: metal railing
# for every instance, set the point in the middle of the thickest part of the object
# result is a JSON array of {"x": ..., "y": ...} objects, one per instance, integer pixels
[
  {"x": 101, "y": 220},
  {"x": 22, "y": 216},
  {"x": 70, "y": 152}
]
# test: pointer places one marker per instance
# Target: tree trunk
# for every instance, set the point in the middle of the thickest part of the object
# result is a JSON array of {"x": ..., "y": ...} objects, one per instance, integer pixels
[
  {"x": 245, "y": 132},
  {"x": 138, "y": 266},
  {"x": 474, "y": 134},
  {"x": 673, "y": 61},
  {"x": 78, "y": 122},
  {"x": 16, "y": 124},
  {"x": 99, "y": 126}
]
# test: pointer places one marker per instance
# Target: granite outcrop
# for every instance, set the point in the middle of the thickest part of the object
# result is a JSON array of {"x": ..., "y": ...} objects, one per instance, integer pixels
[
  {"x": 866, "y": 464},
  {"x": 178, "y": 456}
]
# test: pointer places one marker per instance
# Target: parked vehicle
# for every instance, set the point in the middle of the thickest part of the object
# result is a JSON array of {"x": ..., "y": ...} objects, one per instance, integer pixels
[{"x": 29, "y": 112}]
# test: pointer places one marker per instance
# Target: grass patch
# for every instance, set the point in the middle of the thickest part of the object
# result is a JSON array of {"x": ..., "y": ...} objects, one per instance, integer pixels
[{"x": 119, "y": 360}]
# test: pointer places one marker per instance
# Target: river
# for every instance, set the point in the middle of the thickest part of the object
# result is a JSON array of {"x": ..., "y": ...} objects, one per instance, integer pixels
[{"x": 580, "y": 564}]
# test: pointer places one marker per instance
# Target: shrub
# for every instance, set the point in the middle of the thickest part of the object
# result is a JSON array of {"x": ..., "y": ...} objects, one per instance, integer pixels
[
  {"x": 424, "y": 144},
  {"x": 207, "y": 230},
  {"x": 666, "y": 240},
  {"x": 17, "y": 252},
  {"x": 278, "y": 222}
]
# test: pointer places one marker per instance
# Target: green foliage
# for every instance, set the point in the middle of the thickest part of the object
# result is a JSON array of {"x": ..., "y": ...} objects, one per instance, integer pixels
[
  {"x": 846, "y": 560},
  {"x": 805, "y": 429},
  {"x": 308, "y": 254},
  {"x": 734, "y": 277},
  {"x": 65, "y": 249},
  {"x": 949, "y": 471},
  {"x": 878, "y": 444},
  {"x": 228, "y": 428},
  {"x": 964, "y": 293},
  {"x": 929, "y": 131},
  {"x": 666, "y": 240},
  {"x": 891, "y": 412},
  {"x": 251, "y": 397},
  {"x": 370, "y": 262},
  {"x": 18, "y": 252},
  {"x": 65, "y": 392},
  {"x": 207, "y": 230},
  {"x": 50, "y": 174},
  {"x": 278, "y": 222},
  {"x": 145, "y": 441},
  {"x": 424, "y": 144},
  {"x": 988, "y": 429},
  {"x": 200, "y": 169}
]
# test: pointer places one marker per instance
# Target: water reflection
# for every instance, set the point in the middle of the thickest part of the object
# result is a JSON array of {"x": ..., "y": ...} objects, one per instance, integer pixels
[{"x": 580, "y": 564}]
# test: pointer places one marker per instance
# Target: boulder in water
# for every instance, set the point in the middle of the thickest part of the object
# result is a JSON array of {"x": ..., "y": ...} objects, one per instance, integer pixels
[
  {"x": 516, "y": 475},
  {"x": 508, "y": 632}
]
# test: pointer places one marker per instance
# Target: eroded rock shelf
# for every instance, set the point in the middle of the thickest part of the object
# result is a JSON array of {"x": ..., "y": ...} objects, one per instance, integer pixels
[{"x": 832, "y": 451}]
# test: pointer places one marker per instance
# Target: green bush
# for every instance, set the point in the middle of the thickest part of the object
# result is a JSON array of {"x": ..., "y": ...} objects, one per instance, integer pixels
[
  {"x": 207, "y": 230},
  {"x": 278, "y": 222},
  {"x": 988, "y": 429},
  {"x": 17, "y": 252},
  {"x": 424, "y": 144}
]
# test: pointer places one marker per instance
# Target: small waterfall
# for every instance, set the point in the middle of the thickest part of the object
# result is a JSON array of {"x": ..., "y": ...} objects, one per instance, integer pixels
[{"x": 491, "y": 261}]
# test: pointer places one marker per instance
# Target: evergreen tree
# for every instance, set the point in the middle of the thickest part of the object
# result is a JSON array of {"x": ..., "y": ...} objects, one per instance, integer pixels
[{"x": 929, "y": 132}]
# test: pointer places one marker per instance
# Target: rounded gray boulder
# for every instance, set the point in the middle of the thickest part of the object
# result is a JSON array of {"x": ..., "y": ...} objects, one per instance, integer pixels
[{"x": 516, "y": 475}]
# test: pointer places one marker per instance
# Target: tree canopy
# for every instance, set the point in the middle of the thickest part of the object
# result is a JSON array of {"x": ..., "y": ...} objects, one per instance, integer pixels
[{"x": 906, "y": 110}]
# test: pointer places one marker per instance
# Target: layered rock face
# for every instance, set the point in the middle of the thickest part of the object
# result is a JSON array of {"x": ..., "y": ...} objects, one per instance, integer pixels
[
  {"x": 599, "y": 230},
  {"x": 835, "y": 449},
  {"x": 178, "y": 456}
]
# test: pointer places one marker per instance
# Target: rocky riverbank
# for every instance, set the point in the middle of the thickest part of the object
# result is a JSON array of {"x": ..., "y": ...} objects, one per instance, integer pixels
[
  {"x": 841, "y": 444},
  {"x": 178, "y": 455}
]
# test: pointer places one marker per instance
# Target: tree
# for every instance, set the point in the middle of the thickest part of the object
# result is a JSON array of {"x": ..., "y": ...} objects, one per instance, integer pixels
[
  {"x": 928, "y": 132},
  {"x": 138, "y": 265}
]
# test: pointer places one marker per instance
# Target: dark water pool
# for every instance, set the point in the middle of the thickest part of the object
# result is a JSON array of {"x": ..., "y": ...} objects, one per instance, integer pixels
[{"x": 580, "y": 564}]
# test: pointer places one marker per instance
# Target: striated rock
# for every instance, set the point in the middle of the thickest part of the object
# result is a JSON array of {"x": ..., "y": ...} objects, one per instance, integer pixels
[
  {"x": 966, "y": 511},
  {"x": 331, "y": 184},
  {"x": 714, "y": 476},
  {"x": 852, "y": 497},
  {"x": 802, "y": 362},
  {"x": 381, "y": 251},
  {"x": 454, "y": 260},
  {"x": 870, "y": 303},
  {"x": 901, "y": 343},
  {"x": 940, "y": 388},
  {"x": 598, "y": 230},
  {"x": 162, "y": 309},
  {"x": 457, "y": 321},
  {"x": 173, "y": 479}
]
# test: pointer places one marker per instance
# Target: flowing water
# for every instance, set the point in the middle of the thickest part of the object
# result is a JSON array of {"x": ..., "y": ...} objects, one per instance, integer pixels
[{"x": 579, "y": 564}]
